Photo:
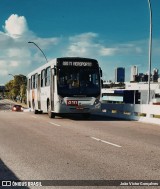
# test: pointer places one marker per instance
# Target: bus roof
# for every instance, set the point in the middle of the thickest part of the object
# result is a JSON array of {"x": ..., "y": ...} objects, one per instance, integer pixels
[
  {"x": 39, "y": 69},
  {"x": 84, "y": 58}
]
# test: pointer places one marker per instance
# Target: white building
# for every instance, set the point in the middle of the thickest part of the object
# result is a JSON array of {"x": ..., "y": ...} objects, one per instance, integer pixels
[
  {"x": 134, "y": 72},
  {"x": 143, "y": 88},
  {"x": 135, "y": 92}
]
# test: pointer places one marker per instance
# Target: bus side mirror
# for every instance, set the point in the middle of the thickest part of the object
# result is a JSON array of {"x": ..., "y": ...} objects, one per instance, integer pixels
[
  {"x": 101, "y": 72},
  {"x": 102, "y": 83}
]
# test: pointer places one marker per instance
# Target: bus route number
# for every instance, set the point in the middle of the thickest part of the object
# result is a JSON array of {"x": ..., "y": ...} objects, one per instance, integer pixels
[{"x": 72, "y": 102}]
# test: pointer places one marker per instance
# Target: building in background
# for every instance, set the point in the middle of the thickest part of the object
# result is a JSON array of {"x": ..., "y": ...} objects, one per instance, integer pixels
[
  {"x": 132, "y": 93},
  {"x": 155, "y": 75},
  {"x": 134, "y": 73},
  {"x": 120, "y": 74},
  {"x": 142, "y": 77}
]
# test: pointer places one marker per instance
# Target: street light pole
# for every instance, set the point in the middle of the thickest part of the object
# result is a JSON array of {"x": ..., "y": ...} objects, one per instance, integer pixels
[
  {"x": 39, "y": 49},
  {"x": 150, "y": 52}
]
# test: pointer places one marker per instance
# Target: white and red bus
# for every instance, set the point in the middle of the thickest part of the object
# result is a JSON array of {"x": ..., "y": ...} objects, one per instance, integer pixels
[{"x": 65, "y": 85}]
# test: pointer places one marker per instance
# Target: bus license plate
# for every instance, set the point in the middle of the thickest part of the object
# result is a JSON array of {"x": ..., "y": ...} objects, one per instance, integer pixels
[{"x": 80, "y": 107}]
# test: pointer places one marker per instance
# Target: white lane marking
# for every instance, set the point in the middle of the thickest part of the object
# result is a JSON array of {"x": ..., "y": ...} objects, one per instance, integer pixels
[
  {"x": 55, "y": 124},
  {"x": 106, "y": 142},
  {"x": 34, "y": 117}
]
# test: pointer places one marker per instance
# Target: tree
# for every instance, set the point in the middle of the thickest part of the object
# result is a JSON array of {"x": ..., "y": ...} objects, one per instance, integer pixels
[{"x": 17, "y": 88}]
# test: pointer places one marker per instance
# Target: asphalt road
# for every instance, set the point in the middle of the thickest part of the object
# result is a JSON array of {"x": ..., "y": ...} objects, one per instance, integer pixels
[{"x": 34, "y": 147}]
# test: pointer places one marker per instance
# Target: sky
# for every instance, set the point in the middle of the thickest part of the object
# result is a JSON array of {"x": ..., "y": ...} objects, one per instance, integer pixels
[{"x": 115, "y": 32}]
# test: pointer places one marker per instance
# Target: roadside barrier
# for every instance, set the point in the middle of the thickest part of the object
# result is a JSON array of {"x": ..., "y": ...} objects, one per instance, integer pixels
[{"x": 139, "y": 112}]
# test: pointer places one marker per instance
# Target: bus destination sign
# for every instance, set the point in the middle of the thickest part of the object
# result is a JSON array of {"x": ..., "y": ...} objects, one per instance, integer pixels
[{"x": 78, "y": 64}]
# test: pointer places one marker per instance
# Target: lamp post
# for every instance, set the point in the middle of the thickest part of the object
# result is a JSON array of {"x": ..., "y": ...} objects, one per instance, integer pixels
[
  {"x": 150, "y": 52},
  {"x": 39, "y": 49}
]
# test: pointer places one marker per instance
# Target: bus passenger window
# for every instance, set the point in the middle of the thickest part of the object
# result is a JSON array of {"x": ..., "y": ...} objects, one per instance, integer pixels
[
  {"x": 42, "y": 78},
  {"x": 47, "y": 77},
  {"x": 36, "y": 81},
  {"x": 32, "y": 81}
]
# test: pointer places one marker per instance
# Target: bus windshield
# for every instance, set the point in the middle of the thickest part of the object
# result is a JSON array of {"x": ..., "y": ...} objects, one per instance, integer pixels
[{"x": 78, "y": 81}]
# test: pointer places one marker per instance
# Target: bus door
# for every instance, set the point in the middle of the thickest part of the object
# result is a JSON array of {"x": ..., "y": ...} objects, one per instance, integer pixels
[
  {"x": 39, "y": 91},
  {"x": 52, "y": 88}
]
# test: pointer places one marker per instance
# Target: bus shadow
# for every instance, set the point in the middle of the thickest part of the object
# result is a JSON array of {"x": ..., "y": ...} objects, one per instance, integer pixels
[
  {"x": 80, "y": 117},
  {"x": 6, "y": 174}
]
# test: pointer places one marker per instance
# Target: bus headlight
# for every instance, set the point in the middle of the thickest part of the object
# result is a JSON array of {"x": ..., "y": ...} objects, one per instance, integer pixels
[
  {"x": 96, "y": 102},
  {"x": 61, "y": 100}
]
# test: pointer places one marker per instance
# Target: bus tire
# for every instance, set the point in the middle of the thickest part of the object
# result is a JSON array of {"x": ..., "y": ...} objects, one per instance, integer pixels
[
  {"x": 51, "y": 115},
  {"x": 40, "y": 112},
  {"x": 35, "y": 111}
]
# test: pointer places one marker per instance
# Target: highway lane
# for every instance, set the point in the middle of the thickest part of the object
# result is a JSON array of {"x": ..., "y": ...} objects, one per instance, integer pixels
[{"x": 36, "y": 147}]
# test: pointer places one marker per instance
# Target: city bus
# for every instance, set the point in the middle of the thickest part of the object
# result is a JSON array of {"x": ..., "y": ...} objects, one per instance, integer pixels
[{"x": 66, "y": 85}]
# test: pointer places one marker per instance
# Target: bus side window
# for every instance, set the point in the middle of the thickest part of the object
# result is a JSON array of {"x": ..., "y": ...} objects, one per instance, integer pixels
[
  {"x": 47, "y": 76},
  {"x": 36, "y": 81},
  {"x": 32, "y": 81},
  {"x": 42, "y": 78},
  {"x": 29, "y": 84}
]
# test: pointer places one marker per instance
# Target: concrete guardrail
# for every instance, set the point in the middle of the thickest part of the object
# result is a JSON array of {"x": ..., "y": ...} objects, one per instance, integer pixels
[{"x": 139, "y": 112}]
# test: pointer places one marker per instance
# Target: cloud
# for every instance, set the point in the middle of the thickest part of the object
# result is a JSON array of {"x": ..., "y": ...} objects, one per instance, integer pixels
[
  {"x": 16, "y": 26},
  {"x": 88, "y": 44},
  {"x": 108, "y": 51},
  {"x": 122, "y": 49},
  {"x": 17, "y": 56},
  {"x": 82, "y": 44},
  {"x": 45, "y": 42},
  {"x": 13, "y": 64}
]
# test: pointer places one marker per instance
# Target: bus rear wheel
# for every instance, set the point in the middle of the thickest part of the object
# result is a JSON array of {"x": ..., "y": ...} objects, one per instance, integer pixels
[{"x": 35, "y": 111}]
